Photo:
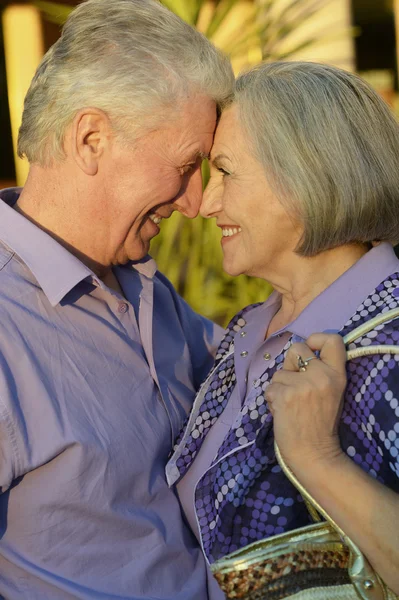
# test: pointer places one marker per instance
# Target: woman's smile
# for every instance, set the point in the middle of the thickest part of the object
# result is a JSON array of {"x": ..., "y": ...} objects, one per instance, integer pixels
[{"x": 229, "y": 231}]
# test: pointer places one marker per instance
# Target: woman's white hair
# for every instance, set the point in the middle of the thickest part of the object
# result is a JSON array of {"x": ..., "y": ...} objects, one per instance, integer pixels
[
  {"x": 329, "y": 146},
  {"x": 133, "y": 59}
]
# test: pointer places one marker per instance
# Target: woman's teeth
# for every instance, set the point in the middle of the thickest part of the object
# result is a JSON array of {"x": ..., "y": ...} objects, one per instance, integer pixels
[
  {"x": 227, "y": 232},
  {"x": 155, "y": 218}
]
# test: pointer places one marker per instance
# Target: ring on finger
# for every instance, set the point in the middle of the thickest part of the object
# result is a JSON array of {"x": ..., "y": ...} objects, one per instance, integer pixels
[{"x": 302, "y": 364}]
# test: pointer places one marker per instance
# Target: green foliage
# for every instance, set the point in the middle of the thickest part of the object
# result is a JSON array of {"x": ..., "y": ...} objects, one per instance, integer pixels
[
  {"x": 255, "y": 27},
  {"x": 55, "y": 13},
  {"x": 188, "y": 11}
]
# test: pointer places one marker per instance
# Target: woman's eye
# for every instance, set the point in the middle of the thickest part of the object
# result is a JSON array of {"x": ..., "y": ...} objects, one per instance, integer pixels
[{"x": 223, "y": 171}]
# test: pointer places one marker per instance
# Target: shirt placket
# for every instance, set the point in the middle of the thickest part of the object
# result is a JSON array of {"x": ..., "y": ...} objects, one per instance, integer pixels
[
  {"x": 253, "y": 355},
  {"x": 264, "y": 358},
  {"x": 146, "y": 308},
  {"x": 140, "y": 332},
  {"x": 122, "y": 309}
]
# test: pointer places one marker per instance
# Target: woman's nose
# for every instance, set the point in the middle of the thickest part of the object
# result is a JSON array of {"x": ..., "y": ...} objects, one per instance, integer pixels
[{"x": 211, "y": 201}]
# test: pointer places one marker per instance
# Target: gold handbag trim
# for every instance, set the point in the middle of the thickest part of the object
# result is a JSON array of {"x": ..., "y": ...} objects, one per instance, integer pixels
[{"x": 323, "y": 538}]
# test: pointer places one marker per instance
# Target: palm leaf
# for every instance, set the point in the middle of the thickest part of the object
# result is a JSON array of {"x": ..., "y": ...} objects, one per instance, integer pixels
[
  {"x": 249, "y": 37},
  {"x": 206, "y": 13},
  {"x": 55, "y": 13},
  {"x": 312, "y": 42},
  {"x": 221, "y": 13},
  {"x": 280, "y": 25},
  {"x": 185, "y": 10},
  {"x": 245, "y": 35}
]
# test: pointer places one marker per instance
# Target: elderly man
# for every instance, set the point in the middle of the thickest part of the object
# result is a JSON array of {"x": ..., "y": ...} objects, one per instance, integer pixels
[{"x": 100, "y": 358}]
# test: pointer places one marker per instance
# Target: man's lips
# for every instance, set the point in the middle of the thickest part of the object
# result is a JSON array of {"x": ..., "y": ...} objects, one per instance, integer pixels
[{"x": 156, "y": 216}]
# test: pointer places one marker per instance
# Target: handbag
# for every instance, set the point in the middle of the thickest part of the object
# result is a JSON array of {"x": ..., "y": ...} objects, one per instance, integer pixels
[{"x": 315, "y": 562}]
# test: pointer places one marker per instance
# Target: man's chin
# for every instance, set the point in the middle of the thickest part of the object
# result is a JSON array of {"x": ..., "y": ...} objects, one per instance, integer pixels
[{"x": 139, "y": 251}]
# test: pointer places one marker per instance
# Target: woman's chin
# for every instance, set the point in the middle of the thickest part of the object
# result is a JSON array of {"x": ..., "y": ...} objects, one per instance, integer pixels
[{"x": 232, "y": 269}]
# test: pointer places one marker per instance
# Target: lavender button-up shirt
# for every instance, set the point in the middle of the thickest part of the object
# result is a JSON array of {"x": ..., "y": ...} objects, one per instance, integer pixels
[{"x": 93, "y": 388}]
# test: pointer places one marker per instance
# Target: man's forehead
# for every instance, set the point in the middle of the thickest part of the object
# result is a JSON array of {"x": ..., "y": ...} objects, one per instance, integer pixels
[{"x": 195, "y": 155}]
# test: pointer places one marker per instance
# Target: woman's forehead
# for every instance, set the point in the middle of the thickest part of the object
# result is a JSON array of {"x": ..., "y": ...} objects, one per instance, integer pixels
[
  {"x": 231, "y": 141},
  {"x": 228, "y": 131}
]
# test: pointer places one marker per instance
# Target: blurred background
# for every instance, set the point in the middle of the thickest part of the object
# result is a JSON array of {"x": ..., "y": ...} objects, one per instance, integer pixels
[{"x": 357, "y": 35}]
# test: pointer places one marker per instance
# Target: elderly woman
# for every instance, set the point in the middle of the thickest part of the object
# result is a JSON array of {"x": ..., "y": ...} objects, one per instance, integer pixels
[{"x": 305, "y": 189}]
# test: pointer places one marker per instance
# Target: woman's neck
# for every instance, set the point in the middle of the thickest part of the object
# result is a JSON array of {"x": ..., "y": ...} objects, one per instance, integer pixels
[{"x": 305, "y": 278}]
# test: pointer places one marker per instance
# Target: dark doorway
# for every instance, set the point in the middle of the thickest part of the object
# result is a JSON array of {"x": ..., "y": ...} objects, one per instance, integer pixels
[{"x": 7, "y": 169}]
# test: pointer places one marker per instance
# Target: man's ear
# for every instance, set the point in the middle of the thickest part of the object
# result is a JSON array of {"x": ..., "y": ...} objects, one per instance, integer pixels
[{"x": 89, "y": 137}]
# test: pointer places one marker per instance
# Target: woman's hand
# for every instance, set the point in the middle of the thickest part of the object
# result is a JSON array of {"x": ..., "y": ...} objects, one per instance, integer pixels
[{"x": 307, "y": 405}]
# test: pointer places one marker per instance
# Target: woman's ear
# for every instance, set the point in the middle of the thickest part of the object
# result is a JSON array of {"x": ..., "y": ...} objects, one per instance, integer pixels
[{"x": 89, "y": 137}]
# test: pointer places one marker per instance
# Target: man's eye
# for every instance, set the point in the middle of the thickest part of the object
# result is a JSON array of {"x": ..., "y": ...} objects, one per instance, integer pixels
[{"x": 186, "y": 169}]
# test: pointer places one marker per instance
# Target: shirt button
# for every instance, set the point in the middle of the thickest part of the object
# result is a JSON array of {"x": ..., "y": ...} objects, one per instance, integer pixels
[
  {"x": 267, "y": 356},
  {"x": 243, "y": 333},
  {"x": 246, "y": 379},
  {"x": 244, "y": 353},
  {"x": 122, "y": 307}
]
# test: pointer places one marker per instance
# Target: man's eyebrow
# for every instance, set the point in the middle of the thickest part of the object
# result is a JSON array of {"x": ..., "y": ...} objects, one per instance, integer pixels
[
  {"x": 199, "y": 155},
  {"x": 202, "y": 155}
]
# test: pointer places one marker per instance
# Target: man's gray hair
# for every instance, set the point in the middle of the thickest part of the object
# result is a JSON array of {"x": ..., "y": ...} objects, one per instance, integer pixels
[
  {"x": 133, "y": 59},
  {"x": 330, "y": 149}
]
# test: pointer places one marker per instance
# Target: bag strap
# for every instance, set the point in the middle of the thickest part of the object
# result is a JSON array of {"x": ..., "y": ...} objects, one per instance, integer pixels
[
  {"x": 368, "y": 326},
  {"x": 363, "y": 577},
  {"x": 360, "y": 570}
]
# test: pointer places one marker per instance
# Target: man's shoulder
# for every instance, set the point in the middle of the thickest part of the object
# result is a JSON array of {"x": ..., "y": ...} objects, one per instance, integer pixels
[
  {"x": 6, "y": 255},
  {"x": 16, "y": 280},
  {"x": 183, "y": 309}
]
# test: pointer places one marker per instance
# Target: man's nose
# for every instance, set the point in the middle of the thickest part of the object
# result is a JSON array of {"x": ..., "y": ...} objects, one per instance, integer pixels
[
  {"x": 211, "y": 201},
  {"x": 189, "y": 201}
]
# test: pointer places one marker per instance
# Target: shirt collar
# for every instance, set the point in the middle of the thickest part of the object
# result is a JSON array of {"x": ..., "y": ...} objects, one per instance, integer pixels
[
  {"x": 146, "y": 266},
  {"x": 331, "y": 309},
  {"x": 56, "y": 270}
]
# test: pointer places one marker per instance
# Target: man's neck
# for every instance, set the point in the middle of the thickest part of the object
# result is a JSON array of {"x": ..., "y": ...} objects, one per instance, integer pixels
[
  {"x": 61, "y": 216},
  {"x": 112, "y": 282}
]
